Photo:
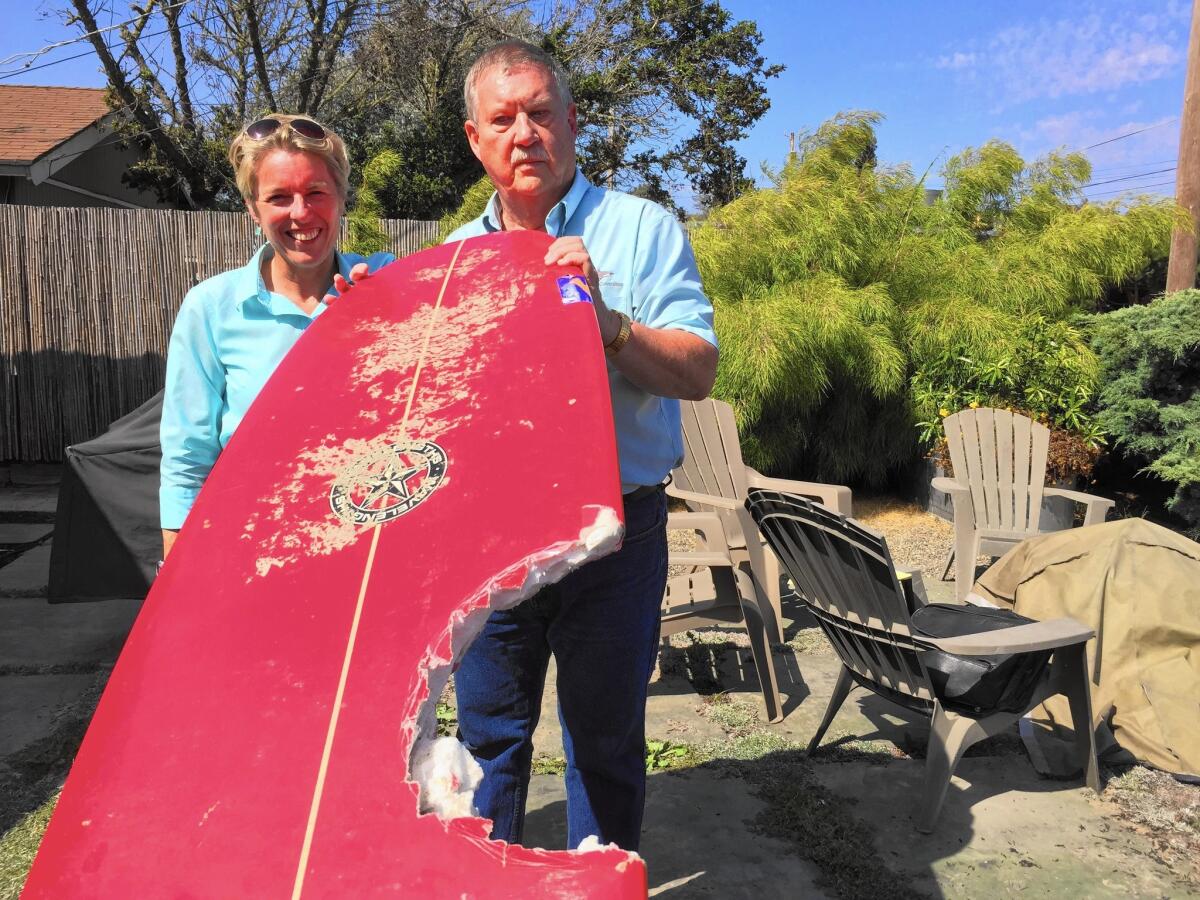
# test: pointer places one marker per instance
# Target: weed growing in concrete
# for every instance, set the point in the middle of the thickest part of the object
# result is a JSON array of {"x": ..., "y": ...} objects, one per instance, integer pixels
[{"x": 667, "y": 755}]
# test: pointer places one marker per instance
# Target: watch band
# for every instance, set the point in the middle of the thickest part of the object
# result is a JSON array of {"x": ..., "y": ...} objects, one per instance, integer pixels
[{"x": 613, "y": 347}]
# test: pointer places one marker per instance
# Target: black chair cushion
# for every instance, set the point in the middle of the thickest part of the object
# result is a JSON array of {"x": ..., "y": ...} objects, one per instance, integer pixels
[{"x": 977, "y": 685}]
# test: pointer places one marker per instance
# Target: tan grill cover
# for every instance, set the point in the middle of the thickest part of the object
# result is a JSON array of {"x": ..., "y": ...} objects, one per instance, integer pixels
[{"x": 1138, "y": 585}]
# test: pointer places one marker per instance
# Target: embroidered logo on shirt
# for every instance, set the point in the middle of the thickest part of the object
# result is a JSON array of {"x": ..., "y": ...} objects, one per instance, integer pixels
[
  {"x": 387, "y": 484},
  {"x": 574, "y": 289}
]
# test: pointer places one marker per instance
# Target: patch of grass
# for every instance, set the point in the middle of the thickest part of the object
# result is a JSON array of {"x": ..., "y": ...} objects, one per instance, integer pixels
[
  {"x": 698, "y": 657},
  {"x": 737, "y": 716},
  {"x": 549, "y": 765},
  {"x": 840, "y": 747},
  {"x": 809, "y": 640},
  {"x": 19, "y": 845}
]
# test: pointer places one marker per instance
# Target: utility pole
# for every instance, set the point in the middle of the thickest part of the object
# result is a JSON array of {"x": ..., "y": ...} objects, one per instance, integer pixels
[{"x": 1181, "y": 270}]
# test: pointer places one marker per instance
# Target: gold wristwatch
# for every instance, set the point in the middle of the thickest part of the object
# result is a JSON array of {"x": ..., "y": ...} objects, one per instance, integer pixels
[{"x": 613, "y": 347}]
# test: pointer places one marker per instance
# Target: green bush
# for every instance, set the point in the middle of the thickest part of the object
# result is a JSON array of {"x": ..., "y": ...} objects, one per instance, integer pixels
[
  {"x": 846, "y": 302},
  {"x": 1150, "y": 396},
  {"x": 1046, "y": 372}
]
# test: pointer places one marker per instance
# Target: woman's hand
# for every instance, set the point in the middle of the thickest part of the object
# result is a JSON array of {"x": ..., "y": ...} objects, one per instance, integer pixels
[{"x": 358, "y": 273}]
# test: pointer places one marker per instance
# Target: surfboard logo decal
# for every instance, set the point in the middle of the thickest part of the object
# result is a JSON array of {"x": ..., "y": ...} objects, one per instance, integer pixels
[
  {"x": 387, "y": 484},
  {"x": 574, "y": 289}
]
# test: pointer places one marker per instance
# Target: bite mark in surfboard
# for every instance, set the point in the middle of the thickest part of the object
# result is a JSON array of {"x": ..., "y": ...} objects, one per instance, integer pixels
[{"x": 444, "y": 774}]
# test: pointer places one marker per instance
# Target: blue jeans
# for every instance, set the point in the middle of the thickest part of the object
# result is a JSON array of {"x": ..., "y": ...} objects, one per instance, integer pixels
[{"x": 601, "y": 622}]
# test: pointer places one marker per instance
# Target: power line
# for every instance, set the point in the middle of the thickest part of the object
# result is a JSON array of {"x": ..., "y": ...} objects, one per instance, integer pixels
[
  {"x": 46, "y": 65},
  {"x": 1106, "y": 170},
  {"x": 1129, "y": 134},
  {"x": 34, "y": 54},
  {"x": 1130, "y": 177},
  {"x": 91, "y": 52},
  {"x": 1140, "y": 187}
]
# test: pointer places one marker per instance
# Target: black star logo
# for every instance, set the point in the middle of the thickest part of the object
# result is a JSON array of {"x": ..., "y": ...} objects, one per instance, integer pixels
[{"x": 391, "y": 483}]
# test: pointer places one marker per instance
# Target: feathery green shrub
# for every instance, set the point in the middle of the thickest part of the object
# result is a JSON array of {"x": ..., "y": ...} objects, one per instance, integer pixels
[
  {"x": 845, "y": 301},
  {"x": 1150, "y": 398}
]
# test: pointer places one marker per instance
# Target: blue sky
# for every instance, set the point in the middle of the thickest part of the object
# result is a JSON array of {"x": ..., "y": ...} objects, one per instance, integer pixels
[{"x": 1040, "y": 75}]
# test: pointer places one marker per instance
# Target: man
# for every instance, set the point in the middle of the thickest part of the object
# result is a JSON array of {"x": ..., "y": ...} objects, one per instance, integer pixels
[{"x": 601, "y": 622}]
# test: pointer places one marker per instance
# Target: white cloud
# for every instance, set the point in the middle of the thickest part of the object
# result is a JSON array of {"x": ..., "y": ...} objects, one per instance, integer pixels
[
  {"x": 956, "y": 61},
  {"x": 1073, "y": 57}
]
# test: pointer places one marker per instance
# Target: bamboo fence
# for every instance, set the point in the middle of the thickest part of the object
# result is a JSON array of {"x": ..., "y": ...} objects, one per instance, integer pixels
[{"x": 87, "y": 300}]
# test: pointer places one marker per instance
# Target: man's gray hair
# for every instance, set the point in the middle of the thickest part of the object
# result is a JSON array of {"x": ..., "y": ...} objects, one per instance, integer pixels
[{"x": 513, "y": 55}]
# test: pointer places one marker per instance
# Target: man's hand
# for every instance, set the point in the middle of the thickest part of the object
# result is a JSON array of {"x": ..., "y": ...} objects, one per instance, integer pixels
[
  {"x": 663, "y": 361},
  {"x": 569, "y": 251},
  {"x": 358, "y": 273}
]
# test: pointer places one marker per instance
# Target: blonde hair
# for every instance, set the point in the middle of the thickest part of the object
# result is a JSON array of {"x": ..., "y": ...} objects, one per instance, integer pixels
[{"x": 245, "y": 153}]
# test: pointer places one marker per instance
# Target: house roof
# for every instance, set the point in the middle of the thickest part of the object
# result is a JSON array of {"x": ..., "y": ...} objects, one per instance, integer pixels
[{"x": 35, "y": 120}]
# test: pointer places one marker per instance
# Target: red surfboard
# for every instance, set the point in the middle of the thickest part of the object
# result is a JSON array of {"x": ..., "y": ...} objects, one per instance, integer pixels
[{"x": 439, "y": 442}]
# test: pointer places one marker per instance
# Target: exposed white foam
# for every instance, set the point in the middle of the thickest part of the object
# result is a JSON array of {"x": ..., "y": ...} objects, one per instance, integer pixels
[
  {"x": 448, "y": 776},
  {"x": 442, "y": 766}
]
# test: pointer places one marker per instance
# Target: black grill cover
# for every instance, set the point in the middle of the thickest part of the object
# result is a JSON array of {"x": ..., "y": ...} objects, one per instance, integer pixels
[{"x": 106, "y": 534}]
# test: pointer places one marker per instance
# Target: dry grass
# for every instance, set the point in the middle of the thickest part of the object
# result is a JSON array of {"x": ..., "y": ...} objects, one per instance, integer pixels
[
  {"x": 1166, "y": 811},
  {"x": 918, "y": 540}
]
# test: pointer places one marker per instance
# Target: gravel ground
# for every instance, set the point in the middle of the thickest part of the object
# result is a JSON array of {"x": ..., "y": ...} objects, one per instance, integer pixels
[{"x": 918, "y": 540}]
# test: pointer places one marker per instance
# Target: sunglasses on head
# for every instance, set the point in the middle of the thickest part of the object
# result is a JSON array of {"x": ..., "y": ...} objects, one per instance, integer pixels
[{"x": 264, "y": 128}]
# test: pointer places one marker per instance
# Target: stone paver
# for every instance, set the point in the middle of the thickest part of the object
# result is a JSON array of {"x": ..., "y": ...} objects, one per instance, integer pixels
[
  {"x": 38, "y": 633},
  {"x": 27, "y": 575},
  {"x": 29, "y": 704},
  {"x": 39, "y": 498},
  {"x": 23, "y": 533}
]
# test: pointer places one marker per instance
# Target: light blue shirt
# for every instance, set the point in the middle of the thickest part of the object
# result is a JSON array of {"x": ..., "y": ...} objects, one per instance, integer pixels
[
  {"x": 230, "y": 334},
  {"x": 647, "y": 271}
]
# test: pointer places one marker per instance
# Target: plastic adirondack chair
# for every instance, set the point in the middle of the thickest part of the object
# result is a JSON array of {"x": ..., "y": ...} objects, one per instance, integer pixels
[
  {"x": 999, "y": 481},
  {"x": 718, "y": 592},
  {"x": 713, "y": 479},
  {"x": 845, "y": 574}
]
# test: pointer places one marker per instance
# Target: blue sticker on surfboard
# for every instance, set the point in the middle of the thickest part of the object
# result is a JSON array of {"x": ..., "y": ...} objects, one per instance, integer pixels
[{"x": 574, "y": 289}]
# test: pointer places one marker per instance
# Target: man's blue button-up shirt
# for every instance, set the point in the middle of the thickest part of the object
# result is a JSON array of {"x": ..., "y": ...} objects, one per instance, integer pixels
[
  {"x": 230, "y": 334},
  {"x": 647, "y": 271}
]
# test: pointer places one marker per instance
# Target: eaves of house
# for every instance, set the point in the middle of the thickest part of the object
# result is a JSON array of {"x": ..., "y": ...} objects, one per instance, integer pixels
[{"x": 43, "y": 129}]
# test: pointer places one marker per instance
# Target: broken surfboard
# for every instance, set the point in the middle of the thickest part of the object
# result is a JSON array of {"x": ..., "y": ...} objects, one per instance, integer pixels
[{"x": 438, "y": 444}]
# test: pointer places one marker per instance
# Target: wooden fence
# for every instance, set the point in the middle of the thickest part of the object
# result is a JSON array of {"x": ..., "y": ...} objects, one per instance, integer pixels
[{"x": 87, "y": 300}]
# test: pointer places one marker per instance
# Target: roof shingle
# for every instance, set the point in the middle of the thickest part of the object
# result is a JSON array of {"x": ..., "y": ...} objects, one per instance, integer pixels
[{"x": 34, "y": 120}]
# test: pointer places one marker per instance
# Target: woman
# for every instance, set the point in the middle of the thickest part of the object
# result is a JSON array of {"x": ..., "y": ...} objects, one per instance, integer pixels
[{"x": 233, "y": 329}]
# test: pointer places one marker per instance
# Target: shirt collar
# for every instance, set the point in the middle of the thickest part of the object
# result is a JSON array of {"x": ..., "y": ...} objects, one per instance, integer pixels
[
  {"x": 559, "y": 215},
  {"x": 250, "y": 286}
]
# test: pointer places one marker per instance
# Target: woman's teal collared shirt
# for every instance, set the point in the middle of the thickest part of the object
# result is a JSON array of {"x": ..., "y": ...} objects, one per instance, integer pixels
[{"x": 230, "y": 334}]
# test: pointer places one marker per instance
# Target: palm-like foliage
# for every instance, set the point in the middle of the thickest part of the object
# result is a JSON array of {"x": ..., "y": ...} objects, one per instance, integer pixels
[{"x": 839, "y": 283}]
